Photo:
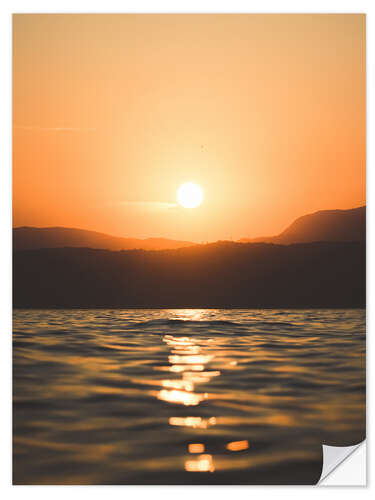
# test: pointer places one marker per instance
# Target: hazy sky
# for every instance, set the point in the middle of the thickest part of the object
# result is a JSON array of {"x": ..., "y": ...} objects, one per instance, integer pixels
[{"x": 112, "y": 113}]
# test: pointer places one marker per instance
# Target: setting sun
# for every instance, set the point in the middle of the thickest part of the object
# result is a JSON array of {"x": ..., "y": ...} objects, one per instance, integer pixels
[{"x": 190, "y": 195}]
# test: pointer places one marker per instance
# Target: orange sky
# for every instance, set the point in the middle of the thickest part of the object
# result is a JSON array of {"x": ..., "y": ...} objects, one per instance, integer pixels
[{"x": 112, "y": 113}]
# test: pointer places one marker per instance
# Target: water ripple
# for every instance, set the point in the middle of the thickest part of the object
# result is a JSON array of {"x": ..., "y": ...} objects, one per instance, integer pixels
[{"x": 184, "y": 396}]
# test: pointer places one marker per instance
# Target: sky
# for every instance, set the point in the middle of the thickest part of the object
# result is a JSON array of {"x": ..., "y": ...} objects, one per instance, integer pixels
[{"x": 112, "y": 113}]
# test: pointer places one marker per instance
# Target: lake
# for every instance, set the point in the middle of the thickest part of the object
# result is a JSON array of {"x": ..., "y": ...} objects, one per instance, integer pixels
[{"x": 184, "y": 396}]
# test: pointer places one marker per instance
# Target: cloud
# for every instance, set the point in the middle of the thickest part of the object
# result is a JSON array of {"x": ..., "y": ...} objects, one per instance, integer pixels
[
  {"x": 149, "y": 205},
  {"x": 56, "y": 129}
]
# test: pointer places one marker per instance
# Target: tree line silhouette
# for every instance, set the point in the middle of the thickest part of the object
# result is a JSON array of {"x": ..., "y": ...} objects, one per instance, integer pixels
[{"x": 223, "y": 274}]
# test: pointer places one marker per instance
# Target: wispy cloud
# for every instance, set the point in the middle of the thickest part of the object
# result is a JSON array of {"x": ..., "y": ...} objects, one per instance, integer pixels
[
  {"x": 54, "y": 129},
  {"x": 148, "y": 205}
]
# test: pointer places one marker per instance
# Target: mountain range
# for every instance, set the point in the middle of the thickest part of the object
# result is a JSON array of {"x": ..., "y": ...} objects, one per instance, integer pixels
[
  {"x": 27, "y": 238},
  {"x": 324, "y": 225},
  {"x": 318, "y": 261}
]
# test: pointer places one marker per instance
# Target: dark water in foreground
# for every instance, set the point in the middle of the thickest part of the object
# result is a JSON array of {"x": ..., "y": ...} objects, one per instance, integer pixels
[{"x": 184, "y": 396}]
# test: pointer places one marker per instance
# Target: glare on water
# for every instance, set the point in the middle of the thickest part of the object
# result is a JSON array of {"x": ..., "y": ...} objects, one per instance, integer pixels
[{"x": 184, "y": 396}]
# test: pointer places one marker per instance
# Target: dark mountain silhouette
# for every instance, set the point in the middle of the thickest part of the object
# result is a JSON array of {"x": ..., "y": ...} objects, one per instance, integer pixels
[
  {"x": 25, "y": 238},
  {"x": 325, "y": 225},
  {"x": 226, "y": 274}
]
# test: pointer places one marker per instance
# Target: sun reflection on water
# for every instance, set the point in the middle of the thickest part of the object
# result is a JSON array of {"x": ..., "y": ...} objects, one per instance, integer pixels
[
  {"x": 189, "y": 358},
  {"x": 181, "y": 397},
  {"x": 138, "y": 395},
  {"x": 192, "y": 370},
  {"x": 196, "y": 448},
  {"x": 194, "y": 422},
  {"x": 238, "y": 445},
  {"x": 204, "y": 463}
]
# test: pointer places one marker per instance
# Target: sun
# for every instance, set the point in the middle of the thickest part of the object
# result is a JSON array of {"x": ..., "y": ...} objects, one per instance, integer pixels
[{"x": 190, "y": 195}]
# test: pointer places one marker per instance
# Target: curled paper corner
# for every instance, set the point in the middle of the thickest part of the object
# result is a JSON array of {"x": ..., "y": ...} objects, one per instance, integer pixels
[{"x": 333, "y": 456}]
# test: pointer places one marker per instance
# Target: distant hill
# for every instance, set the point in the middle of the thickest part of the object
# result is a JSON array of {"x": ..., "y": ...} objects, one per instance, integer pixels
[
  {"x": 253, "y": 275},
  {"x": 325, "y": 225},
  {"x": 27, "y": 238}
]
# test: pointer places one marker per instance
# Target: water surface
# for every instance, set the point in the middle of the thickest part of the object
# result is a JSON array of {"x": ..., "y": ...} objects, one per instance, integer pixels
[{"x": 184, "y": 396}]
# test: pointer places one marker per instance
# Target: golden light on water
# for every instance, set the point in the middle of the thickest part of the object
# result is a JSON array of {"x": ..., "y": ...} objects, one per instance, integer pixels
[
  {"x": 188, "y": 349},
  {"x": 238, "y": 445},
  {"x": 189, "y": 358},
  {"x": 203, "y": 464},
  {"x": 182, "y": 368},
  {"x": 195, "y": 359},
  {"x": 204, "y": 422},
  {"x": 196, "y": 448},
  {"x": 181, "y": 397},
  {"x": 199, "y": 377},
  {"x": 178, "y": 384},
  {"x": 194, "y": 422}
]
